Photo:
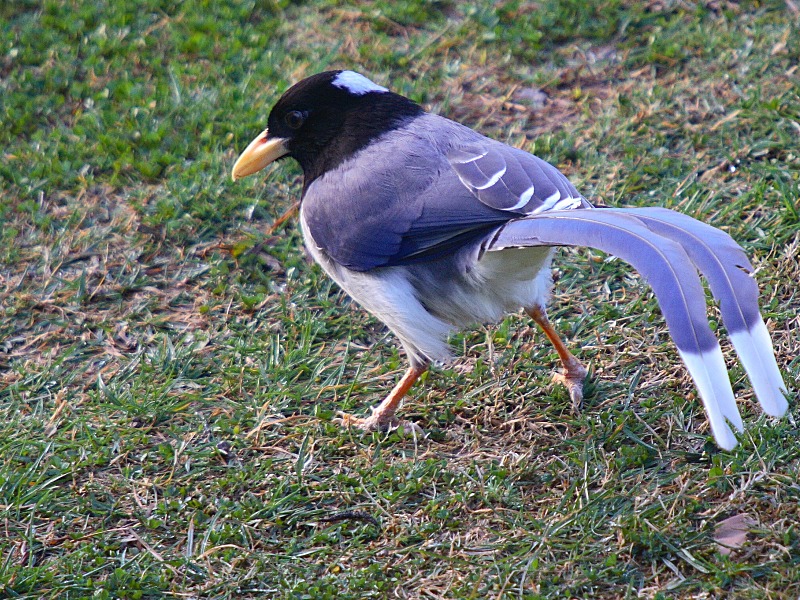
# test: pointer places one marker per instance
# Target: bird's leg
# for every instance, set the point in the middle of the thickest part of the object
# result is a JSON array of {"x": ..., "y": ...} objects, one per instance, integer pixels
[
  {"x": 574, "y": 372},
  {"x": 382, "y": 417}
]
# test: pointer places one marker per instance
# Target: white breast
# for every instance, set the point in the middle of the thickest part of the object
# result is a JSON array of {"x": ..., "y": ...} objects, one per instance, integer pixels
[{"x": 389, "y": 296}]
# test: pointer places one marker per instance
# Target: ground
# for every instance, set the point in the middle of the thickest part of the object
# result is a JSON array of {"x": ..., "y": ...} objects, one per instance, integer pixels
[{"x": 171, "y": 364}]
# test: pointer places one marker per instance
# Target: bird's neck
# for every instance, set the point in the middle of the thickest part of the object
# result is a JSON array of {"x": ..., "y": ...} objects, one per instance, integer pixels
[{"x": 363, "y": 123}]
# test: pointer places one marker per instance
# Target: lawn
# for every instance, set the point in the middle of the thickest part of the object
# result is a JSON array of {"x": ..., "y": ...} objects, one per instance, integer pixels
[{"x": 171, "y": 363}]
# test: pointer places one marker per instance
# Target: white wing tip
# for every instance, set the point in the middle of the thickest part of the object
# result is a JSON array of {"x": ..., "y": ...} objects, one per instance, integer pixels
[
  {"x": 524, "y": 198},
  {"x": 492, "y": 180}
]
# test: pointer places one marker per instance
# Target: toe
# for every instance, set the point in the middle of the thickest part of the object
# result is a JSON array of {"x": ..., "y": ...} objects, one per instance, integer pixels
[
  {"x": 574, "y": 385},
  {"x": 371, "y": 423}
]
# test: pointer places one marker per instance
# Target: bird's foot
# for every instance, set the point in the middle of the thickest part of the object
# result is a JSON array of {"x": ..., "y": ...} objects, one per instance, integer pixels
[
  {"x": 376, "y": 422},
  {"x": 572, "y": 378}
]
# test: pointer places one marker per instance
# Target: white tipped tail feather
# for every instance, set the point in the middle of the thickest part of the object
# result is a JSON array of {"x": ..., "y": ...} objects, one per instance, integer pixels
[
  {"x": 754, "y": 348},
  {"x": 711, "y": 378},
  {"x": 668, "y": 249}
]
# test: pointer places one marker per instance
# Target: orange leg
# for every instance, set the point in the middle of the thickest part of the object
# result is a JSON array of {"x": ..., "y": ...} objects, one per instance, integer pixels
[
  {"x": 574, "y": 372},
  {"x": 382, "y": 416}
]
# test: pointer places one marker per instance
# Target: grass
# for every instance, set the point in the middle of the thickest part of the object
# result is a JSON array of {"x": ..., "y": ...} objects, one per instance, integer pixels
[{"x": 170, "y": 366}]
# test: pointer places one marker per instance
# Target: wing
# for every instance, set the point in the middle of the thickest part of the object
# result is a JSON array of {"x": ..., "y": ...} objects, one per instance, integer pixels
[
  {"x": 446, "y": 187},
  {"x": 512, "y": 180},
  {"x": 668, "y": 248}
]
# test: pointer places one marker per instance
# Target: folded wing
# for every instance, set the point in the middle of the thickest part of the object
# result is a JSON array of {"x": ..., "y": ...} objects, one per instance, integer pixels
[{"x": 508, "y": 179}]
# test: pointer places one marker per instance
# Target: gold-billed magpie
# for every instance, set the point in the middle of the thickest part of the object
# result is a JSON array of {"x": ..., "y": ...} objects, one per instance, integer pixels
[{"x": 432, "y": 227}]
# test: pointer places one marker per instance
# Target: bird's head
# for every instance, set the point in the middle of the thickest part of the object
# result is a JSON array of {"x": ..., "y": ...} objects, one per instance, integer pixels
[{"x": 322, "y": 121}]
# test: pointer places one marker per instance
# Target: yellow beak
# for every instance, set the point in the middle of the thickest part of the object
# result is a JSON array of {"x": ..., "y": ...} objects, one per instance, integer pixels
[{"x": 258, "y": 154}]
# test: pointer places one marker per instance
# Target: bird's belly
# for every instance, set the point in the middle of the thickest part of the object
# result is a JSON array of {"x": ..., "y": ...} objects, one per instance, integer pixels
[
  {"x": 389, "y": 294},
  {"x": 424, "y": 303},
  {"x": 489, "y": 288}
]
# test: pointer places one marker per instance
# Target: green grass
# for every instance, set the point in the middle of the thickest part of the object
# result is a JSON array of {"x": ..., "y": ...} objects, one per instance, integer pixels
[{"x": 170, "y": 369}]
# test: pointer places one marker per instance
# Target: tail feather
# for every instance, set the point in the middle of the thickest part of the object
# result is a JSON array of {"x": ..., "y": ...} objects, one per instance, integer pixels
[
  {"x": 711, "y": 378},
  {"x": 754, "y": 348},
  {"x": 668, "y": 250},
  {"x": 726, "y": 267}
]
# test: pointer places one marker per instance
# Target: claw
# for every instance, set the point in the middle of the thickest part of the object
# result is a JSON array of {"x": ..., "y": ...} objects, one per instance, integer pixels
[
  {"x": 372, "y": 423},
  {"x": 572, "y": 378},
  {"x": 365, "y": 424}
]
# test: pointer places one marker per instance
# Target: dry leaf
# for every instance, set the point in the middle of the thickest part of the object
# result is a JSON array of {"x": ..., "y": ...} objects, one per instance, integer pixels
[{"x": 731, "y": 533}]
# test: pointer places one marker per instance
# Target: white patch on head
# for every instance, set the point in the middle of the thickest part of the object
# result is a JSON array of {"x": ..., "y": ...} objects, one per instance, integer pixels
[{"x": 357, "y": 84}]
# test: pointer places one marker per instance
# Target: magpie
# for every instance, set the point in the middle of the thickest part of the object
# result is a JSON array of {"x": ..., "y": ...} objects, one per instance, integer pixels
[{"x": 432, "y": 227}]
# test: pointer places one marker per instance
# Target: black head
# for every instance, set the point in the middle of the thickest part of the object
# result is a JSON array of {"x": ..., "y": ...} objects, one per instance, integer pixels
[{"x": 327, "y": 117}]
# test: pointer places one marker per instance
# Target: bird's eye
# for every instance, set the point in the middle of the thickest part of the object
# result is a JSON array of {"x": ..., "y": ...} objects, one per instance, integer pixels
[{"x": 295, "y": 119}]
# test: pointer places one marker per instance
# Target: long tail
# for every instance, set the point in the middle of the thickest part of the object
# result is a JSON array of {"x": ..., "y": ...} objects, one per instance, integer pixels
[{"x": 668, "y": 249}]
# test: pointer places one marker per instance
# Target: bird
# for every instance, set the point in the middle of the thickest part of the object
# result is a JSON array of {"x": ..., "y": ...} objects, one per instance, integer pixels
[{"x": 433, "y": 228}]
